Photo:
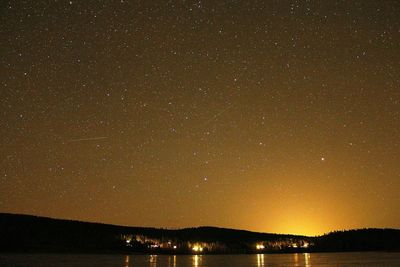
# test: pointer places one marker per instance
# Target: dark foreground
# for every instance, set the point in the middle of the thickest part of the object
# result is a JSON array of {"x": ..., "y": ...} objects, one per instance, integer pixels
[
  {"x": 259, "y": 260},
  {"x": 30, "y": 234}
]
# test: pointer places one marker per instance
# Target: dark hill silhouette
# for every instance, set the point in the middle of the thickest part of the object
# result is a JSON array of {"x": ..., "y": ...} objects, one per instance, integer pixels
[
  {"x": 360, "y": 240},
  {"x": 26, "y": 233}
]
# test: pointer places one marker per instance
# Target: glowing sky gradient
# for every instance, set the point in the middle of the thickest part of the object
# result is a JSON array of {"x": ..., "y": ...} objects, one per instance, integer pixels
[{"x": 273, "y": 116}]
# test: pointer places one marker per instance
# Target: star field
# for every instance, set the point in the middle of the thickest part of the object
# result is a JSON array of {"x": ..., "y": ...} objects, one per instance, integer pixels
[{"x": 275, "y": 116}]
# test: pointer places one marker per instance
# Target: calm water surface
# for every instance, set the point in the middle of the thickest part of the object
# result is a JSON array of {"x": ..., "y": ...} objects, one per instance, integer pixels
[{"x": 258, "y": 260}]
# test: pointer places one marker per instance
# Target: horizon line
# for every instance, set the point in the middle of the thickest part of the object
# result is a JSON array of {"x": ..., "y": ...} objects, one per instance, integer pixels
[{"x": 193, "y": 227}]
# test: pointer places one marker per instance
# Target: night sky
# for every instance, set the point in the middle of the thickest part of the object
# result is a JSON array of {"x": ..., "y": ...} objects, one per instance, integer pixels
[{"x": 274, "y": 116}]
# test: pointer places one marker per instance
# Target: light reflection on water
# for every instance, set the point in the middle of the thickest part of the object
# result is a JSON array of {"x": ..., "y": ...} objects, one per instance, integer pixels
[
  {"x": 307, "y": 257},
  {"x": 255, "y": 260},
  {"x": 126, "y": 261},
  {"x": 172, "y": 261},
  {"x": 260, "y": 260},
  {"x": 296, "y": 259},
  {"x": 153, "y": 260},
  {"x": 196, "y": 260}
]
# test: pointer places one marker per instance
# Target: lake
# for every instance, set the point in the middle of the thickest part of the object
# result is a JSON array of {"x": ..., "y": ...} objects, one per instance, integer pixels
[{"x": 255, "y": 260}]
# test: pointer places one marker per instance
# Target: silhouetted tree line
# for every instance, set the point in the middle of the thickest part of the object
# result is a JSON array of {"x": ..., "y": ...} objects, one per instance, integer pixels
[
  {"x": 359, "y": 240},
  {"x": 25, "y": 233}
]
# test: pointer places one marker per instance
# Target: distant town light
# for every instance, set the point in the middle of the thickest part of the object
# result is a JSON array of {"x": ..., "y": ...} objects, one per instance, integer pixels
[
  {"x": 175, "y": 247},
  {"x": 128, "y": 239},
  {"x": 197, "y": 248},
  {"x": 305, "y": 245},
  {"x": 294, "y": 245},
  {"x": 260, "y": 246}
]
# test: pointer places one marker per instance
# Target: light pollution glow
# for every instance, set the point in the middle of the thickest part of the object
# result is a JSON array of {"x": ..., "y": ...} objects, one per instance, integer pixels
[{"x": 257, "y": 115}]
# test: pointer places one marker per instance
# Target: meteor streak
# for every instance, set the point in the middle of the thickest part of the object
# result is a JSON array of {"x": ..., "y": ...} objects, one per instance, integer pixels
[{"x": 87, "y": 139}]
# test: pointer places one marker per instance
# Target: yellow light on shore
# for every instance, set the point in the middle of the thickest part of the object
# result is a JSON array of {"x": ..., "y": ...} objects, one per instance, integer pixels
[
  {"x": 197, "y": 248},
  {"x": 128, "y": 240},
  {"x": 260, "y": 246}
]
